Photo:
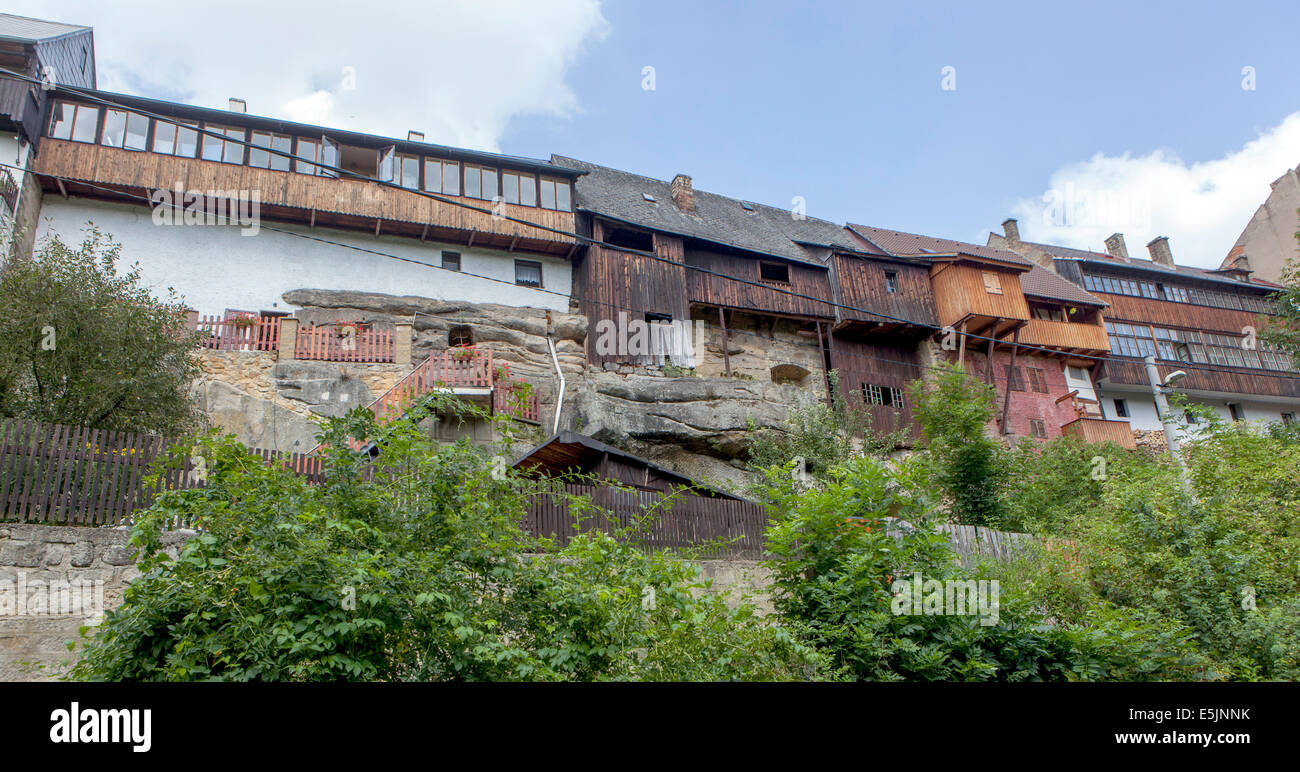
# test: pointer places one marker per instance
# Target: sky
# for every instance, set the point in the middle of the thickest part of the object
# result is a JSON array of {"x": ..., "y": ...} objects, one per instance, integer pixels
[{"x": 1078, "y": 119}]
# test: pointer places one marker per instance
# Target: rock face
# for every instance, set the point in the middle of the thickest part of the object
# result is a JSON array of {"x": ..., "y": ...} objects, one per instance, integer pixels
[
  {"x": 257, "y": 422},
  {"x": 326, "y": 389}
]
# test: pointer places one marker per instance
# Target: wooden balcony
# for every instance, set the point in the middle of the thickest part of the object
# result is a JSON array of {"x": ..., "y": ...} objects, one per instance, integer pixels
[
  {"x": 286, "y": 195},
  {"x": 961, "y": 296},
  {"x": 1093, "y": 430},
  {"x": 1068, "y": 337}
]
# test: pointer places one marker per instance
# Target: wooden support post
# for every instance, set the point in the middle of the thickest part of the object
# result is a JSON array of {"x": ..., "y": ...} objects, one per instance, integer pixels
[
  {"x": 726, "y": 341},
  {"x": 1011, "y": 369},
  {"x": 961, "y": 347},
  {"x": 821, "y": 354},
  {"x": 988, "y": 370}
]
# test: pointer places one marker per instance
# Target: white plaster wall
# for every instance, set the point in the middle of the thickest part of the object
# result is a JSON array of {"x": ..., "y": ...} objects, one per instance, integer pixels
[
  {"x": 12, "y": 153},
  {"x": 215, "y": 267},
  {"x": 1142, "y": 408}
]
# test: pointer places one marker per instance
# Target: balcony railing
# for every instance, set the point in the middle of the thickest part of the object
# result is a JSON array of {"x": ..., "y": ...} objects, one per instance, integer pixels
[
  {"x": 1094, "y": 430},
  {"x": 461, "y": 368},
  {"x": 239, "y": 332},
  {"x": 1065, "y": 335},
  {"x": 344, "y": 343}
]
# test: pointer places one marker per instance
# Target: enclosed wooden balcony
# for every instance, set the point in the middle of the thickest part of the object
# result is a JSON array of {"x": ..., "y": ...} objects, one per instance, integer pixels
[
  {"x": 290, "y": 196},
  {"x": 983, "y": 299},
  {"x": 1066, "y": 337},
  {"x": 1094, "y": 430}
]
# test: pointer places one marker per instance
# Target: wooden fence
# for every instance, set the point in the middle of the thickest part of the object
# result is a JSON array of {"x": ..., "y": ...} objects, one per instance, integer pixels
[
  {"x": 684, "y": 521},
  {"x": 345, "y": 343},
  {"x": 51, "y": 473},
  {"x": 239, "y": 332}
]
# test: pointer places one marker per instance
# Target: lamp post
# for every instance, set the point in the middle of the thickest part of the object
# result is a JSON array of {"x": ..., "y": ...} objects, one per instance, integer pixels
[{"x": 1159, "y": 389}]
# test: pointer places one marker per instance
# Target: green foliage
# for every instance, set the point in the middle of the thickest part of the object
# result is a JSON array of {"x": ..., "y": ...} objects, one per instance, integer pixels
[
  {"x": 954, "y": 410},
  {"x": 410, "y": 567},
  {"x": 82, "y": 345},
  {"x": 837, "y": 558},
  {"x": 822, "y": 435},
  {"x": 1283, "y": 328}
]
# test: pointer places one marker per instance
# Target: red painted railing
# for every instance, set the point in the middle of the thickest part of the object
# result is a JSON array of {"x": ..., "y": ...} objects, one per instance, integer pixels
[
  {"x": 239, "y": 332},
  {"x": 344, "y": 343},
  {"x": 466, "y": 367}
]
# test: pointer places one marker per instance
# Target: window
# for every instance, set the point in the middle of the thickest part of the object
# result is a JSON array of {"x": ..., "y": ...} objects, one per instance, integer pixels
[
  {"x": 442, "y": 176},
  {"x": 1130, "y": 340},
  {"x": 174, "y": 139},
  {"x": 992, "y": 284},
  {"x": 528, "y": 273},
  {"x": 75, "y": 122},
  {"x": 1016, "y": 378},
  {"x": 1037, "y": 428},
  {"x": 891, "y": 282},
  {"x": 265, "y": 159},
  {"x": 308, "y": 150},
  {"x": 641, "y": 241},
  {"x": 407, "y": 173},
  {"x": 451, "y": 261},
  {"x": 1235, "y": 411},
  {"x": 519, "y": 188},
  {"x": 1288, "y": 419},
  {"x": 215, "y": 149},
  {"x": 460, "y": 335},
  {"x": 1037, "y": 379},
  {"x": 481, "y": 182},
  {"x": 555, "y": 195},
  {"x": 873, "y": 394},
  {"x": 1121, "y": 408},
  {"x": 125, "y": 130},
  {"x": 777, "y": 272}
]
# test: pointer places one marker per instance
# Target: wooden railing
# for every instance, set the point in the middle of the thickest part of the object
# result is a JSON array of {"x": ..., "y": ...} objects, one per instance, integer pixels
[
  {"x": 1065, "y": 335},
  {"x": 344, "y": 343},
  {"x": 1100, "y": 430},
  {"x": 239, "y": 332}
]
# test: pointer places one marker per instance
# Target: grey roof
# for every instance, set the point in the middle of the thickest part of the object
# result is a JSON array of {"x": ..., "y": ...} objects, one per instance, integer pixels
[
  {"x": 23, "y": 29},
  {"x": 732, "y": 222},
  {"x": 1042, "y": 283},
  {"x": 1143, "y": 264},
  {"x": 915, "y": 245}
]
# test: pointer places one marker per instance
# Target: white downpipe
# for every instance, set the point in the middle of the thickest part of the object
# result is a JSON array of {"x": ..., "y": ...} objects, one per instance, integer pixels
[{"x": 559, "y": 401}]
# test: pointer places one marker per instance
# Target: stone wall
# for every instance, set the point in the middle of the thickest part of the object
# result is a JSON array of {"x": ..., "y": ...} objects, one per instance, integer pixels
[
  {"x": 54, "y": 580},
  {"x": 99, "y": 563}
]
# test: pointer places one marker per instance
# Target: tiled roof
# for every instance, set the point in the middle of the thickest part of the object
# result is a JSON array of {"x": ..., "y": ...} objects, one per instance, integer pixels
[
  {"x": 1042, "y": 283},
  {"x": 911, "y": 244},
  {"x": 27, "y": 30},
  {"x": 648, "y": 202}
]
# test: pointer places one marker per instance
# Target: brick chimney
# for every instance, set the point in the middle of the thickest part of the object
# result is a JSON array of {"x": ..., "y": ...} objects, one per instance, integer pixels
[
  {"x": 1115, "y": 246},
  {"x": 683, "y": 193},
  {"x": 1011, "y": 228},
  {"x": 1160, "y": 253}
]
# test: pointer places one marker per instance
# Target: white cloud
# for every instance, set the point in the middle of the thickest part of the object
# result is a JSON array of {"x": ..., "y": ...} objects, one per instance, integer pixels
[
  {"x": 1202, "y": 207},
  {"x": 459, "y": 70}
]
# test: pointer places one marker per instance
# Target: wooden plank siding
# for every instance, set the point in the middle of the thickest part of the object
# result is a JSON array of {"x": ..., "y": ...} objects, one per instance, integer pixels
[
  {"x": 771, "y": 298},
  {"x": 613, "y": 282},
  {"x": 1083, "y": 337},
  {"x": 1100, "y": 430},
  {"x": 1221, "y": 379},
  {"x": 859, "y": 363},
  {"x": 862, "y": 285},
  {"x": 1165, "y": 313},
  {"x": 959, "y": 294},
  {"x": 302, "y": 197}
]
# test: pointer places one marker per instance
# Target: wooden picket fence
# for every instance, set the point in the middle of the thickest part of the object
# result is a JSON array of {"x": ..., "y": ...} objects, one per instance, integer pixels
[
  {"x": 51, "y": 473},
  {"x": 333, "y": 343},
  {"x": 239, "y": 332}
]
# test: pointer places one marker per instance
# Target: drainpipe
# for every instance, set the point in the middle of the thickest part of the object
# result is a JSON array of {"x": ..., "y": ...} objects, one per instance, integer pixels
[{"x": 559, "y": 401}]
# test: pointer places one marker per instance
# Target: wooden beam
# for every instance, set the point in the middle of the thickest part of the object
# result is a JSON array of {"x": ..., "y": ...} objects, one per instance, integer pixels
[
  {"x": 473, "y": 232},
  {"x": 514, "y": 240},
  {"x": 821, "y": 354},
  {"x": 988, "y": 370},
  {"x": 726, "y": 341},
  {"x": 424, "y": 233},
  {"x": 62, "y": 189},
  {"x": 378, "y": 221},
  {"x": 313, "y": 218},
  {"x": 1011, "y": 369},
  {"x": 961, "y": 347}
]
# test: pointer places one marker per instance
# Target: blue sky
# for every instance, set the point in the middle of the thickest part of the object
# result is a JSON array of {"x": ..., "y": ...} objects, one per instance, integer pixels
[
  {"x": 1132, "y": 115},
  {"x": 841, "y": 102}
]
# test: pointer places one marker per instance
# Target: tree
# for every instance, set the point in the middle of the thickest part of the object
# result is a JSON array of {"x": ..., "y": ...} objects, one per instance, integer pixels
[
  {"x": 1283, "y": 329},
  {"x": 968, "y": 465},
  {"x": 82, "y": 345},
  {"x": 410, "y": 567}
]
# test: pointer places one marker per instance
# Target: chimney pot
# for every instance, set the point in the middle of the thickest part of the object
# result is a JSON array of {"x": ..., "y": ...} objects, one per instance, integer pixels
[
  {"x": 414, "y": 136},
  {"x": 1011, "y": 228},
  {"x": 1160, "y": 252},
  {"x": 1115, "y": 246},
  {"x": 683, "y": 193},
  {"x": 238, "y": 105}
]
